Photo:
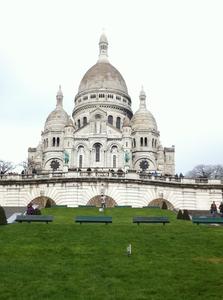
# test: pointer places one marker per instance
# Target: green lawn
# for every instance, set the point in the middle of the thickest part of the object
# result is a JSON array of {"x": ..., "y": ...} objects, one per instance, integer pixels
[{"x": 64, "y": 260}]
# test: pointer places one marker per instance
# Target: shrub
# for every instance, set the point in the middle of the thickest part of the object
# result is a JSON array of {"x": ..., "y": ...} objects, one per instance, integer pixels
[
  {"x": 37, "y": 211},
  {"x": 3, "y": 220},
  {"x": 48, "y": 203},
  {"x": 164, "y": 205},
  {"x": 180, "y": 215},
  {"x": 186, "y": 215}
]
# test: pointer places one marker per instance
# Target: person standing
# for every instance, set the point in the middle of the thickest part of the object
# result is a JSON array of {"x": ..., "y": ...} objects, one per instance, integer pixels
[
  {"x": 213, "y": 208},
  {"x": 103, "y": 201},
  {"x": 221, "y": 208}
]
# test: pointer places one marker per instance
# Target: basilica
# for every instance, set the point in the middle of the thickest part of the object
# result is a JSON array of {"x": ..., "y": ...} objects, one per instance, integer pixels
[{"x": 103, "y": 132}]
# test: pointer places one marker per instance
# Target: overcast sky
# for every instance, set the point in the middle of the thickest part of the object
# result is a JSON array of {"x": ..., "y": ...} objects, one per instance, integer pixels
[{"x": 173, "y": 48}]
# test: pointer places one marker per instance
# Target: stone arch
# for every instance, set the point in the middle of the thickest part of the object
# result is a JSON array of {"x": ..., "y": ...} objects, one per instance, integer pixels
[
  {"x": 78, "y": 144},
  {"x": 96, "y": 200},
  {"x": 110, "y": 145},
  {"x": 159, "y": 202},
  {"x": 41, "y": 201}
]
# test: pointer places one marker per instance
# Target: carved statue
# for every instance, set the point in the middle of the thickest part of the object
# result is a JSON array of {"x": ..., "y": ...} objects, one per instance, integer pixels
[
  {"x": 66, "y": 157},
  {"x": 127, "y": 156}
]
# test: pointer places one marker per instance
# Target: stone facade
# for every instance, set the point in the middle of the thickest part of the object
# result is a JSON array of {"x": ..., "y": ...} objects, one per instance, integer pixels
[{"x": 103, "y": 132}]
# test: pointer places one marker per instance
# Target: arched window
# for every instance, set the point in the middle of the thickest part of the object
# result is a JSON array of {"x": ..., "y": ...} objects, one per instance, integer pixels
[
  {"x": 79, "y": 123},
  {"x": 110, "y": 120},
  {"x": 114, "y": 161},
  {"x": 80, "y": 161},
  {"x": 141, "y": 141},
  {"x": 118, "y": 122},
  {"x": 54, "y": 142},
  {"x": 80, "y": 151},
  {"x": 97, "y": 152},
  {"x": 145, "y": 141},
  {"x": 46, "y": 142},
  {"x": 134, "y": 143},
  {"x": 58, "y": 142},
  {"x": 155, "y": 143},
  {"x": 84, "y": 121},
  {"x": 152, "y": 142}
]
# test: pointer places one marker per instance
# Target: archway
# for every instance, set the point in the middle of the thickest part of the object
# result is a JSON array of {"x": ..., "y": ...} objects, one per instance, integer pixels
[
  {"x": 159, "y": 202},
  {"x": 41, "y": 201},
  {"x": 109, "y": 202}
]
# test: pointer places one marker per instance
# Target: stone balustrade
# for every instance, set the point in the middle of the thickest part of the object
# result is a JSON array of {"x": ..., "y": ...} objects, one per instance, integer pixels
[{"x": 131, "y": 175}]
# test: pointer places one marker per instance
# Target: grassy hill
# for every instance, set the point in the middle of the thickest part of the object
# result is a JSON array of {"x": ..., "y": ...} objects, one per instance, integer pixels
[{"x": 64, "y": 260}]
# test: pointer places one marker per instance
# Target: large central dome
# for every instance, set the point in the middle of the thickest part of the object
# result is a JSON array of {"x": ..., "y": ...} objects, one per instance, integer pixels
[
  {"x": 103, "y": 76},
  {"x": 102, "y": 86}
]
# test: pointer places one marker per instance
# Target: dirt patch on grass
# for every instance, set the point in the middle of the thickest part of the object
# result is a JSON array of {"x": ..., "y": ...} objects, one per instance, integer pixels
[{"x": 212, "y": 260}]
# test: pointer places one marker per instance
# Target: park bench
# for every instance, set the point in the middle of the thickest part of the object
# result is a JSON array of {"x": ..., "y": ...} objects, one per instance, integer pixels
[
  {"x": 123, "y": 206},
  {"x": 93, "y": 219},
  {"x": 139, "y": 220},
  {"x": 151, "y": 206},
  {"x": 34, "y": 218},
  {"x": 207, "y": 220},
  {"x": 86, "y": 206}
]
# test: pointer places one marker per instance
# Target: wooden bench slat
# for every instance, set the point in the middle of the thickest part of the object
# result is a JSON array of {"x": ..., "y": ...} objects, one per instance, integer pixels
[
  {"x": 123, "y": 206},
  {"x": 140, "y": 219},
  {"x": 34, "y": 218},
  {"x": 207, "y": 220},
  {"x": 93, "y": 219},
  {"x": 86, "y": 206},
  {"x": 151, "y": 206}
]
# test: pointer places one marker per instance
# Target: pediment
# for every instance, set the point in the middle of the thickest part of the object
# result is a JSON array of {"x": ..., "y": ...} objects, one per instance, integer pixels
[{"x": 98, "y": 113}]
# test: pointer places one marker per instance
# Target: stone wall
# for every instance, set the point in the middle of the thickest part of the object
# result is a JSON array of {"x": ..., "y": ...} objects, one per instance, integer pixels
[{"x": 78, "y": 188}]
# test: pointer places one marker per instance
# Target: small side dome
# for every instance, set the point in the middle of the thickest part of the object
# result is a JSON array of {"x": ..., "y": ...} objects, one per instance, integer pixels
[
  {"x": 57, "y": 119},
  {"x": 143, "y": 119}
]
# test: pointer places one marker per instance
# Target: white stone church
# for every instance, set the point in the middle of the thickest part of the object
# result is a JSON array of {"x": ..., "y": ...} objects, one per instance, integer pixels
[{"x": 103, "y": 132}]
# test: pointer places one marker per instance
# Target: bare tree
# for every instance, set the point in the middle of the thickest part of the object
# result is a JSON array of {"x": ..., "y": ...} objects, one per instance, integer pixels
[
  {"x": 218, "y": 172},
  {"x": 206, "y": 171},
  {"x": 6, "y": 166}
]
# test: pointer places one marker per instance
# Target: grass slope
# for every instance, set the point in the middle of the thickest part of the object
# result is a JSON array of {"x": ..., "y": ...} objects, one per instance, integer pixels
[{"x": 64, "y": 260}]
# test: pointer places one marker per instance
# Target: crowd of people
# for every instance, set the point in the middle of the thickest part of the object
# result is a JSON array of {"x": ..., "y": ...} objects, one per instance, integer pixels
[{"x": 214, "y": 209}]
